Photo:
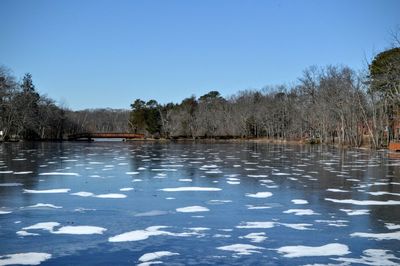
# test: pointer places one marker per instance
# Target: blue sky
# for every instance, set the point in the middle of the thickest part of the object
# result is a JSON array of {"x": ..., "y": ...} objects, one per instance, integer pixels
[{"x": 90, "y": 54}]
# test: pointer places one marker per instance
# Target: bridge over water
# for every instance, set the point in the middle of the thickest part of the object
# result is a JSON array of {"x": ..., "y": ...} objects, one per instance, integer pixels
[{"x": 91, "y": 135}]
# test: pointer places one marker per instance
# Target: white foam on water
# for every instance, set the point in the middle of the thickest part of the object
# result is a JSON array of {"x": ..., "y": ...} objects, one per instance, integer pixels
[
  {"x": 44, "y": 205},
  {"x": 241, "y": 249},
  {"x": 23, "y": 173},
  {"x": 378, "y": 236},
  {"x": 193, "y": 209},
  {"x": 213, "y": 172},
  {"x": 233, "y": 182},
  {"x": 392, "y": 226},
  {"x": 47, "y": 191},
  {"x": 259, "y": 195},
  {"x": 82, "y": 194},
  {"x": 333, "y": 249},
  {"x": 6, "y": 172},
  {"x": 375, "y": 257},
  {"x": 337, "y": 190},
  {"x": 80, "y": 230},
  {"x": 255, "y": 237},
  {"x": 10, "y": 184},
  {"x": 60, "y": 173},
  {"x": 299, "y": 201},
  {"x": 180, "y": 189},
  {"x": 29, "y": 258},
  {"x": 5, "y": 212},
  {"x": 111, "y": 196},
  {"x": 364, "y": 202},
  {"x": 156, "y": 255},
  {"x": 301, "y": 212},
  {"x": 218, "y": 201},
  {"x": 355, "y": 212},
  {"x": 137, "y": 180},
  {"x": 254, "y": 225},
  {"x": 126, "y": 189}
]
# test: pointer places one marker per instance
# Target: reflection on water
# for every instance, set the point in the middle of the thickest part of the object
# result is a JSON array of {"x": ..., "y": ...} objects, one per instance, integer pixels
[{"x": 197, "y": 203}]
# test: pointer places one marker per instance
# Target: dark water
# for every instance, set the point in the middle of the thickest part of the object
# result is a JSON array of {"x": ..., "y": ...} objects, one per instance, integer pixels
[{"x": 111, "y": 203}]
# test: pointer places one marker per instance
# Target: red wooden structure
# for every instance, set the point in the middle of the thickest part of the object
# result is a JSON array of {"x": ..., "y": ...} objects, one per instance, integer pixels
[{"x": 90, "y": 136}]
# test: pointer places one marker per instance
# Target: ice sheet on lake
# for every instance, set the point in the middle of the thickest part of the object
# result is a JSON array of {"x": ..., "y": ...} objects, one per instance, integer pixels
[
  {"x": 47, "y": 191},
  {"x": 265, "y": 194},
  {"x": 156, "y": 255},
  {"x": 301, "y": 212},
  {"x": 333, "y": 249},
  {"x": 193, "y": 209},
  {"x": 378, "y": 236},
  {"x": 375, "y": 257},
  {"x": 364, "y": 202},
  {"x": 29, "y": 258},
  {"x": 241, "y": 249},
  {"x": 180, "y": 189}
]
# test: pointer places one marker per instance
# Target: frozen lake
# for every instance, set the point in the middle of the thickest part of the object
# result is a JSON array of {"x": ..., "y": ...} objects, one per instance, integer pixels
[{"x": 114, "y": 203}]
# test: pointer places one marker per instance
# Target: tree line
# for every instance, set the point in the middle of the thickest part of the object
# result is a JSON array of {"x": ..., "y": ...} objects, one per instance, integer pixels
[
  {"x": 334, "y": 104},
  {"x": 25, "y": 114}
]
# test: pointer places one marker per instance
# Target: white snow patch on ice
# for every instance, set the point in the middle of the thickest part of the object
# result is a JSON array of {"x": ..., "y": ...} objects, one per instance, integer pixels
[
  {"x": 375, "y": 257},
  {"x": 61, "y": 174},
  {"x": 193, "y": 209},
  {"x": 364, "y": 202},
  {"x": 47, "y": 191},
  {"x": 260, "y": 195},
  {"x": 301, "y": 212},
  {"x": 83, "y": 194},
  {"x": 333, "y": 249},
  {"x": 255, "y": 237},
  {"x": 111, "y": 196},
  {"x": 355, "y": 212},
  {"x": 180, "y": 189},
  {"x": 253, "y": 225},
  {"x": 379, "y": 236},
  {"x": 299, "y": 201},
  {"x": 241, "y": 249},
  {"x": 29, "y": 258},
  {"x": 156, "y": 255}
]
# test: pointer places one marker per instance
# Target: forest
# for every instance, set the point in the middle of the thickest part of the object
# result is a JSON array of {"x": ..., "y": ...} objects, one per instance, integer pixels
[{"x": 332, "y": 104}]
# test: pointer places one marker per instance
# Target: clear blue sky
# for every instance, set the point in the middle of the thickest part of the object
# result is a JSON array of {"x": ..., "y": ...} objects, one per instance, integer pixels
[{"x": 107, "y": 53}]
